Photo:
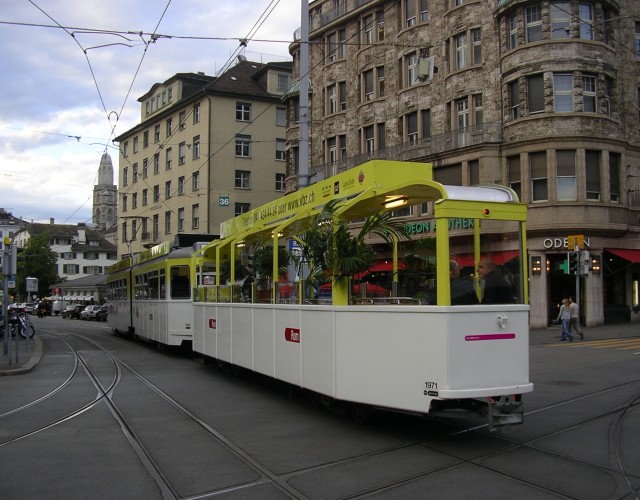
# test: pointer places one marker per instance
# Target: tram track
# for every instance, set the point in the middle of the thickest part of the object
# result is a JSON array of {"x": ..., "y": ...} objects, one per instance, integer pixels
[
  {"x": 107, "y": 391},
  {"x": 105, "y": 394}
]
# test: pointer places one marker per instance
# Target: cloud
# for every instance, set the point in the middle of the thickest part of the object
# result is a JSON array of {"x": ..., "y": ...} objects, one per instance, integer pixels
[{"x": 63, "y": 86}]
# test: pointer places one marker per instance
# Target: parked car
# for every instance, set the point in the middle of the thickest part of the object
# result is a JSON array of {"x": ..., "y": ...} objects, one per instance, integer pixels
[
  {"x": 72, "y": 311},
  {"x": 87, "y": 312},
  {"x": 29, "y": 307},
  {"x": 102, "y": 313}
]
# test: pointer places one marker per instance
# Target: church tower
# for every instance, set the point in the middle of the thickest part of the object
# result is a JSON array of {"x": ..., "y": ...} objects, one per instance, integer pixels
[{"x": 105, "y": 196}]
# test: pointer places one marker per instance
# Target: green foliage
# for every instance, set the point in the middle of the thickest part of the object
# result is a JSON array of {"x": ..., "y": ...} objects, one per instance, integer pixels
[
  {"x": 329, "y": 247},
  {"x": 262, "y": 260},
  {"x": 225, "y": 271},
  {"x": 39, "y": 262}
]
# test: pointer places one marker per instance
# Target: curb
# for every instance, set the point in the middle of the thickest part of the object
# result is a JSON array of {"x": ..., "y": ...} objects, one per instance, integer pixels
[{"x": 36, "y": 355}]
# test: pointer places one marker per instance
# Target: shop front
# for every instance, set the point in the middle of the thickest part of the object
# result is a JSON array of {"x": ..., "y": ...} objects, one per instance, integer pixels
[{"x": 604, "y": 279}]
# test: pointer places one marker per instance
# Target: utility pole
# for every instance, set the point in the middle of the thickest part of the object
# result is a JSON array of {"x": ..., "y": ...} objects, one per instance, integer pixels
[
  {"x": 7, "y": 261},
  {"x": 303, "y": 148}
]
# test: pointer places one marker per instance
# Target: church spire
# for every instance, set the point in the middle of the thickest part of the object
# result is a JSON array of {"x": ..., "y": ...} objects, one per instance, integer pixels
[
  {"x": 105, "y": 172},
  {"x": 105, "y": 196}
]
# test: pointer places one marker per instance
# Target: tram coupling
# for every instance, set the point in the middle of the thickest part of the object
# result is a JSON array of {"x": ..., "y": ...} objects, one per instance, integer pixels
[
  {"x": 505, "y": 410},
  {"x": 502, "y": 411}
]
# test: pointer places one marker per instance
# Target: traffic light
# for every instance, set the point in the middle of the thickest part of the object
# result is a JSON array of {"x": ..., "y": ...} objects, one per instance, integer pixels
[{"x": 574, "y": 262}]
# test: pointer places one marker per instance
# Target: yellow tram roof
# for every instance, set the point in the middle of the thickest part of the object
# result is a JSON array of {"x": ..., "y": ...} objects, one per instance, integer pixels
[{"x": 363, "y": 191}]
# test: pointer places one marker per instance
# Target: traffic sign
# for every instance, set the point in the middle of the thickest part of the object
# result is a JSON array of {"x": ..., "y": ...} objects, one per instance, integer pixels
[{"x": 31, "y": 284}]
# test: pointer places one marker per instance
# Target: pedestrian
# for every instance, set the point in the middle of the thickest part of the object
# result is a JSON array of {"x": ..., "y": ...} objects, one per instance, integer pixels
[
  {"x": 495, "y": 289},
  {"x": 564, "y": 317},
  {"x": 574, "y": 321},
  {"x": 462, "y": 289}
]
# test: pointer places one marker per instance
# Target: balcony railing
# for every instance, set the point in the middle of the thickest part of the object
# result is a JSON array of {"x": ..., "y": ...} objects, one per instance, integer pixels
[{"x": 424, "y": 149}]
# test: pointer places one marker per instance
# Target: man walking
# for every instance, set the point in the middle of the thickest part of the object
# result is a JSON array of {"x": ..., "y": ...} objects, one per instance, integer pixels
[{"x": 574, "y": 321}]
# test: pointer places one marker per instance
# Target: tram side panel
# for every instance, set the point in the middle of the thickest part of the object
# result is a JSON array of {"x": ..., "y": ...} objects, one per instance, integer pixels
[
  {"x": 405, "y": 359},
  {"x": 386, "y": 355},
  {"x": 165, "y": 322},
  {"x": 268, "y": 340},
  {"x": 493, "y": 353},
  {"x": 119, "y": 317},
  {"x": 394, "y": 356}
]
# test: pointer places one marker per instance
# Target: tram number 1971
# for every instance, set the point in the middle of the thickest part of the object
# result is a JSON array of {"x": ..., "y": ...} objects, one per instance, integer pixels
[{"x": 431, "y": 389}]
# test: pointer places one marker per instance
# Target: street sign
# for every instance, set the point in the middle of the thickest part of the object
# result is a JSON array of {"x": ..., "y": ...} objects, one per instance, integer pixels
[{"x": 31, "y": 284}]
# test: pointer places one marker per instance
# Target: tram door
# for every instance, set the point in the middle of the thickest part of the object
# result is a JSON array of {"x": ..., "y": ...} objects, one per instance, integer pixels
[{"x": 560, "y": 285}]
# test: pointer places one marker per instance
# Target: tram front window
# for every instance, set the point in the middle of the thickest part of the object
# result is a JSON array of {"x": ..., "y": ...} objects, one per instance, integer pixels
[{"x": 495, "y": 266}]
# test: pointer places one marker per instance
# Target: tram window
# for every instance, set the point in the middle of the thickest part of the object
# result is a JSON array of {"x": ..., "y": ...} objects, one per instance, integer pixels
[
  {"x": 499, "y": 243},
  {"x": 163, "y": 286},
  {"x": 152, "y": 285},
  {"x": 138, "y": 291},
  {"x": 180, "y": 287}
]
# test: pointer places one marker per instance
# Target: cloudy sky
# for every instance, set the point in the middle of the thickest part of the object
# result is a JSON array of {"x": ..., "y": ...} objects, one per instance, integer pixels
[{"x": 72, "y": 71}]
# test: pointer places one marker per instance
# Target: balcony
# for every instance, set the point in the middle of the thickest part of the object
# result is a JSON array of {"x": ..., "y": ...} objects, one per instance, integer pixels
[
  {"x": 318, "y": 20},
  {"x": 422, "y": 149}
]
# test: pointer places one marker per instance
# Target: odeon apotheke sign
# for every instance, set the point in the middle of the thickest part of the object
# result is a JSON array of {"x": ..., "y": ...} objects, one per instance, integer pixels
[{"x": 429, "y": 226}]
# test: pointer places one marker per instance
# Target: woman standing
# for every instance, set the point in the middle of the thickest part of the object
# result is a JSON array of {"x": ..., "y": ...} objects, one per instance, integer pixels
[{"x": 564, "y": 317}]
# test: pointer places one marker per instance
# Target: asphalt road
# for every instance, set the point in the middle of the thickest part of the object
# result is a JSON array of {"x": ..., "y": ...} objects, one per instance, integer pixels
[{"x": 104, "y": 417}]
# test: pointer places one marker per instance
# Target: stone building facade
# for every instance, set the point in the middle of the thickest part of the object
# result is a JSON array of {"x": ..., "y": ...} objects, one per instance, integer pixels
[{"x": 542, "y": 96}]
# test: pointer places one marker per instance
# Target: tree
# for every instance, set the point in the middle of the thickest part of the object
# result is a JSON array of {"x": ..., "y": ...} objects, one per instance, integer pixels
[
  {"x": 262, "y": 260},
  {"x": 39, "y": 262},
  {"x": 330, "y": 246}
]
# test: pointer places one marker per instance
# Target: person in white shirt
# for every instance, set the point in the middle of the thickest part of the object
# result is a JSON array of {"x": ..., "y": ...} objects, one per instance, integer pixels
[{"x": 574, "y": 321}]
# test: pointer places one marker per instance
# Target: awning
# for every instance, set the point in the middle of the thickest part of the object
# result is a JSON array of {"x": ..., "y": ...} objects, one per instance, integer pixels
[
  {"x": 626, "y": 253},
  {"x": 380, "y": 266},
  {"x": 466, "y": 260}
]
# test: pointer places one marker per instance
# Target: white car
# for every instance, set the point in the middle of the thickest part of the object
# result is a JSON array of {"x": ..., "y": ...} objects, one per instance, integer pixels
[{"x": 89, "y": 312}]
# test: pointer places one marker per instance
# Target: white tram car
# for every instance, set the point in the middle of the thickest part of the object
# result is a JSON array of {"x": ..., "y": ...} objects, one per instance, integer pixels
[{"x": 398, "y": 352}]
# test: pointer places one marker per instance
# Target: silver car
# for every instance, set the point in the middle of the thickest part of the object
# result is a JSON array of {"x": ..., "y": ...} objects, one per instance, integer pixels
[{"x": 89, "y": 312}]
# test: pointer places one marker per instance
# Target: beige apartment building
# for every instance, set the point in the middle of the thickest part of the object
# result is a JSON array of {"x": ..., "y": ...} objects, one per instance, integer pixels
[
  {"x": 542, "y": 96},
  {"x": 206, "y": 149}
]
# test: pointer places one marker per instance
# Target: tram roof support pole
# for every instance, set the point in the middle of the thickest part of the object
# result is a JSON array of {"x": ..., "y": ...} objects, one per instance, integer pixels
[{"x": 443, "y": 287}]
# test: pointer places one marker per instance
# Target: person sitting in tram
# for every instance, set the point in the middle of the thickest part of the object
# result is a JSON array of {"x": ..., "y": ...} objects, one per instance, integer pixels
[
  {"x": 462, "y": 289},
  {"x": 495, "y": 289}
]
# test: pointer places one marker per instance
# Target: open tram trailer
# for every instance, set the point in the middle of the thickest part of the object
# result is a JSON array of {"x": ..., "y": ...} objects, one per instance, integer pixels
[{"x": 397, "y": 353}]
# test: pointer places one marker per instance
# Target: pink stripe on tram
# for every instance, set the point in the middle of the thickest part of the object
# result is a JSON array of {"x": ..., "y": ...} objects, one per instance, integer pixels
[{"x": 490, "y": 336}]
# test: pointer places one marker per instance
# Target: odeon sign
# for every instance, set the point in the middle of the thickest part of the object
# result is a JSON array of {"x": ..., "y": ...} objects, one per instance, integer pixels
[{"x": 551, "y": 243}]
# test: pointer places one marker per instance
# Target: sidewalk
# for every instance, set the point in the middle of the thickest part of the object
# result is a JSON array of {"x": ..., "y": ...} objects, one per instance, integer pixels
[
  {"x": 29, "y": 354},
  {"x": 614, "y": 331}
]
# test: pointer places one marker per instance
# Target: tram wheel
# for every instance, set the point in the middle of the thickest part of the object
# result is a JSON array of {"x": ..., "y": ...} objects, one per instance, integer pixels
[{"x": 360, "y": 413}]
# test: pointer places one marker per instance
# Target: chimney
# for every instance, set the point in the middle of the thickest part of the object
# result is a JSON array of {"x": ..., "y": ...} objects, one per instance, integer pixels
[{"x": 52, "y": 221}]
